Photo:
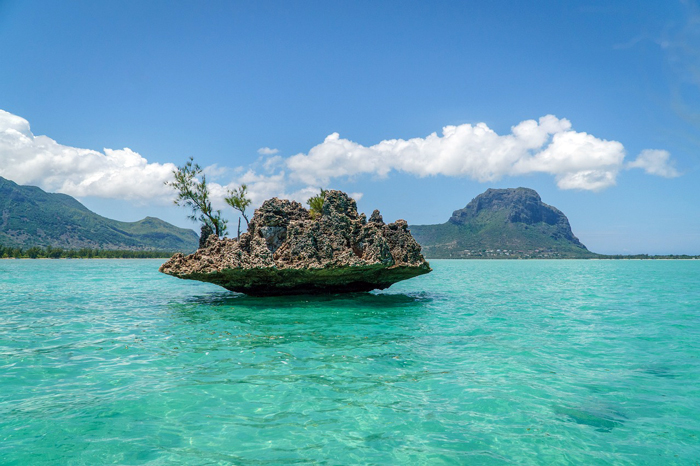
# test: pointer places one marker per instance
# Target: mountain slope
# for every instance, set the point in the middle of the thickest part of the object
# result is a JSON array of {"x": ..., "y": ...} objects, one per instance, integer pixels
[
  {"x": 31, "y": 217},
  {"x": 502, "y": 223}
]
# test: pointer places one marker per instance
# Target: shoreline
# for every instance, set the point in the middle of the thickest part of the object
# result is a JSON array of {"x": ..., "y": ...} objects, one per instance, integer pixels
[
  {"x": 655, "y": 258},
  {"x": 80, "y": 258},
  {"x": 427, "y": 258}
]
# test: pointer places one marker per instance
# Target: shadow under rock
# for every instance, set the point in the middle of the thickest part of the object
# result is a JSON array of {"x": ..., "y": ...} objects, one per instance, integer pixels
[
  {"x": 332, "y": 309},
  {"x": 349, "y": 300}
]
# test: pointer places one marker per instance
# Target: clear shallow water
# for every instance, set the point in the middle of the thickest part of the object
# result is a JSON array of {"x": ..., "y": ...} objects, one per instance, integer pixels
[{"x": 479, "y": 362}]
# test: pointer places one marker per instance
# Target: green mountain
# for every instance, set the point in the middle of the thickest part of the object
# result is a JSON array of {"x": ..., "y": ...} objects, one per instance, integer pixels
[
  {"x": 32, "y": 217},
  {"x": 502, "y": 223}
]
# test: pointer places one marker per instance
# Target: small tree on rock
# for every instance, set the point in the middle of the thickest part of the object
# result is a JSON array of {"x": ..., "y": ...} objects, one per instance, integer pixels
[
  {"x": 316, "y": 204},
  {"x": 193, "y": 193},
  {"x": 238, "y": 199}
]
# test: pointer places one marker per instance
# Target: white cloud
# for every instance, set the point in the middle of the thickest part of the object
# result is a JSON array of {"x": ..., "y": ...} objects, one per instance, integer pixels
[
  {"x": 262, "y": 187},
  {"x": 655, "y": 162},
  {"x": 118, "y": 174},
  {"x": 273, "y": 163},
  {"x": 215, "y": 171},
  {"x": 302, "y": 195},
  {"x": 577, "y": 160},
  {"x": 39, "y": 160},
  {"x": 267, "y": 151}
]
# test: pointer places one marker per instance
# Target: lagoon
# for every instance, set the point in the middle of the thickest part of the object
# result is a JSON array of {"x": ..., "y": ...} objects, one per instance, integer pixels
[{"x": 480, "y": 362}]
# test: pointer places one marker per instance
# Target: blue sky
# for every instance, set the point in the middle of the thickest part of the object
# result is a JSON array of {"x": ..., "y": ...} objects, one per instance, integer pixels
[{"x": 221, "y": 81}]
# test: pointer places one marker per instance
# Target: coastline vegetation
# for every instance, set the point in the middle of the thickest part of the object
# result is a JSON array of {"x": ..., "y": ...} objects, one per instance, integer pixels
[
  {"x": 555, "y": 256},
  {"x": 32, "y": 217},
  {"x": 49, "y": 252},
  {"x": 646, "y": 256}
]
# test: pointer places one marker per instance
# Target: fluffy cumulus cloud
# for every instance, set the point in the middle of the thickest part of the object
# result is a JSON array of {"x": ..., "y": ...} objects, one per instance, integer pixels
[
  {"x": 39, "y": 160},
  {"x": 118, "y": 174},
  {"x": 577, "y": 160}
]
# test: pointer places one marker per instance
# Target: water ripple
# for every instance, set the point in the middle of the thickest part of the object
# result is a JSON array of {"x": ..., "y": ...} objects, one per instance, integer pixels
[{"x": 485, "y": 362}]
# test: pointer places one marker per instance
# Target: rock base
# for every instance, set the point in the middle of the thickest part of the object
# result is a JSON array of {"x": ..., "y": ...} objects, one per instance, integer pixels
[
  {"x": 278, "y": 282},
  {"x": 285, "y": 251}
]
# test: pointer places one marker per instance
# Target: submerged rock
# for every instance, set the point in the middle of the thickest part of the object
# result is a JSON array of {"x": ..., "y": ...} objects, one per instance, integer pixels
[{"x": 285, "y": 251}]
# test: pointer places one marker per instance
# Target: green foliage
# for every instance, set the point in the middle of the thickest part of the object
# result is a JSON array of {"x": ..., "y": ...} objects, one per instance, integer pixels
[
  {"x": 32, "y": 217},
  {"x": 647, "y": 256},
  {"x": 316, "y": 204},
  {"x": 502, "y": 224},
  {"x": 238, "y": 200},
  {"x": 49, "y": 252},
  {"x": 493, "y": 238},
  {"x": 193, "y": 193},
  {"x": 33, "y": 252}
]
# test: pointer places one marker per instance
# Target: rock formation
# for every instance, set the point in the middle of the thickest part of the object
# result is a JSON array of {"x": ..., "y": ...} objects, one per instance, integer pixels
[
  {"x": 285, "y": 251},
  {"x": 520, "y": 205},
  {"x": 503, "y": 224}
]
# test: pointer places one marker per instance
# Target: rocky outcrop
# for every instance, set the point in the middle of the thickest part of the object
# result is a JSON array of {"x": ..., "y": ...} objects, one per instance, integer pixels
[
  {"x": 204, "y": 233},
  {"x": 285, "y": 251},
  {"x": 520, "y": 205},
  {"x": 502, "y": 224}
]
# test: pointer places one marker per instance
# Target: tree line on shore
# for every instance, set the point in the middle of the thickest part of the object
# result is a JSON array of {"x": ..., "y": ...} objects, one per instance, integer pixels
[
  {"x": 646, "y": 256},
  {"x": 49, "y": 252}
]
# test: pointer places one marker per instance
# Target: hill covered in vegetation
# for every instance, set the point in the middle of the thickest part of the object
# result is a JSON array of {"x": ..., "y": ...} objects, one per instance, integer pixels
[
  {"x": 502, "y": 223},
  {"x": 30, "y": 217}
]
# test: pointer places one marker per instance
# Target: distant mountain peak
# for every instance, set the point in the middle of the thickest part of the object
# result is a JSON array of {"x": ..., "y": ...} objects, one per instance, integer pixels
[
  {"x": 523, "y": 204},
  {"x": 30, "y": 216},
  {"x": 514, "y": 219}
]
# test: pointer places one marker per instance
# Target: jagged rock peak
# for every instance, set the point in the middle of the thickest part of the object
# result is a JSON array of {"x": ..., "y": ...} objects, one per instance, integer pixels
[
  {"x": 286, "y": 251},
  {"x": 376, "y": 217},
  {"x": 516, "y": 205},
  {"x": 523, "y": 204}
]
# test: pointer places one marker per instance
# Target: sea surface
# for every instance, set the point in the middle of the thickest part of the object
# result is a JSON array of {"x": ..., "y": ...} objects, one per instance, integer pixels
[{"x": 479, "y": 362}]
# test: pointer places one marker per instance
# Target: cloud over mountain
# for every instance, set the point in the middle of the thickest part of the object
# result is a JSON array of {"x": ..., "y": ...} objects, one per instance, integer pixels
[
  {"x": 39, "y": 160},
  {"x": 576, "y": 160}
]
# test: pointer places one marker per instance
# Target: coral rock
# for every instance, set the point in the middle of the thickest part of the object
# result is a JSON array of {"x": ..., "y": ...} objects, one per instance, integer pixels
[{"x": 285, "y": 251}]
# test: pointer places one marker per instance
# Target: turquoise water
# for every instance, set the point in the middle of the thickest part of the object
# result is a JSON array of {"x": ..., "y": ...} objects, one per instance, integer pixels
[{"x": 479, "y": 362}]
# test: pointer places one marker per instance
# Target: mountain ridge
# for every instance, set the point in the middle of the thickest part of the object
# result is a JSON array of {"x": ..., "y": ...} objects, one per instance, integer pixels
[
  {"x": 29, "y": 216},
  {"x": 502, "y": 223}
]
